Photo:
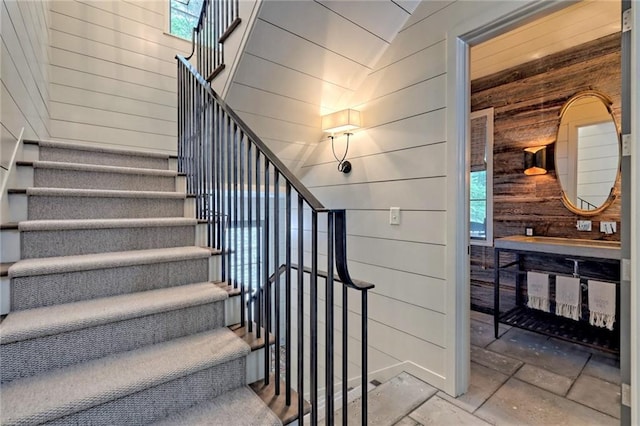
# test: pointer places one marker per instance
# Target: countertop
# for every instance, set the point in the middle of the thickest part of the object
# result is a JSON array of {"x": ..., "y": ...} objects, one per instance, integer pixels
[{"x": 561, "y": 246}]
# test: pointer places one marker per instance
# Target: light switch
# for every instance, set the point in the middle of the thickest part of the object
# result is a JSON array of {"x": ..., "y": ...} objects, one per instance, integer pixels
[{"x": 394, "y": 216}]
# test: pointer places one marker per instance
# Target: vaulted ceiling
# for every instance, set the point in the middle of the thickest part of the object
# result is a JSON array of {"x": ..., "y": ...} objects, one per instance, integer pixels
[{"x": 304, "y": 59}]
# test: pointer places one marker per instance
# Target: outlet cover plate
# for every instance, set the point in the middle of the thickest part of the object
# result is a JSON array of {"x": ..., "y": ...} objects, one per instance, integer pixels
[{"x": 583, "y": 225}]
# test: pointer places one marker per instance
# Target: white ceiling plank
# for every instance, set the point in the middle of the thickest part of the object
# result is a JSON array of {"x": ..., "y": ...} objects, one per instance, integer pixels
[
  {"x": 571, "y": 26},
  {"x": 320, "y": 25},
  {"x": 424, "y": 9},
  {"x": 367, "y": 15},
  {"x": 409, "y": 5}
]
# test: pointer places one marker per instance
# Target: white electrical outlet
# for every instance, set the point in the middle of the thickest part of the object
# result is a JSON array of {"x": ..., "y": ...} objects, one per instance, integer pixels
[
  {"x": 608, "y": 227},
  {"x": 583, "y": 225},
  {"x": 394, "y": 216}
]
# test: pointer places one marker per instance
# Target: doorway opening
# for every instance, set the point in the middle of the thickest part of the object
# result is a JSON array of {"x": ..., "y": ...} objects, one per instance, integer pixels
[{"x": 526, "y": 75}]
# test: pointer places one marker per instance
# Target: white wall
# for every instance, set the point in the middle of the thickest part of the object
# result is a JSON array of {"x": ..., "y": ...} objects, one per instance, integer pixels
[
  {"x": 25, "y": 74},
  {"x": 407, "y": 156},
  {"x": 113, "y": 74}
]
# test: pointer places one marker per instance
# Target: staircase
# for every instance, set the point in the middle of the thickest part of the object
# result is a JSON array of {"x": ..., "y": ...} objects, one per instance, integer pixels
[{"x": 116, "y": 317}]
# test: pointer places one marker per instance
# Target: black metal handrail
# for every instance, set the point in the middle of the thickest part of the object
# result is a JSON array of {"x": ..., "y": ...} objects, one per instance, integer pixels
[
  {"x": 234, "y": 175},
  {"x": 217, "y": 21}
]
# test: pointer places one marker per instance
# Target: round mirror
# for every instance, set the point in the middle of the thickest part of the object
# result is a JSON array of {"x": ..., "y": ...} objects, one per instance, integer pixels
[{"x": 587, "y": 153}]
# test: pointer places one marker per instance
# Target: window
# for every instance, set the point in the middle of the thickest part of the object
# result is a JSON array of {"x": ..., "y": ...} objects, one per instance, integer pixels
[
  {"x": 481, "y": 178},
  {"x": 183, "y": 16}
]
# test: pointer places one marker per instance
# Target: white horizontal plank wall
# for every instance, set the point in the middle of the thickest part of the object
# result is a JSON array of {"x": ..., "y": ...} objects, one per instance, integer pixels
[
  {"x": 113, "y": 74},
  {"x": 303, "y": 59},
  {"x": 402, "y": 157},
  {"x": 25, "y": 74}
]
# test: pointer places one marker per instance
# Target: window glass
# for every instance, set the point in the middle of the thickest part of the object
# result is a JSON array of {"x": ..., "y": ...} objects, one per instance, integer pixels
[
  {"x": 183, "y": 16},
  {"x": 481, "y": 178},
  {"x": 478, "y": 204}
]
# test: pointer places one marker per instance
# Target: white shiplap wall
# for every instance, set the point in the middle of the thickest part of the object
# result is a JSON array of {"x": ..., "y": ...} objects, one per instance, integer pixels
[
  {"x": 25, "y": 74},
  {"x": 403, "y": 158},
  {"x": 304, "y": 59},
  {"x": 113, "y": 74}
]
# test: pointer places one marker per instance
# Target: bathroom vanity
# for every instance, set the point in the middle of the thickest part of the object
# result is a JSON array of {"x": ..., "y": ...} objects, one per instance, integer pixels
[{"x": 583, "y": 259}]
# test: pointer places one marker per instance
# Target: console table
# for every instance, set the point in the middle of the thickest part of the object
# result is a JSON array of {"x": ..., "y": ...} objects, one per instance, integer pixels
[{"x": 586, "y": 259}]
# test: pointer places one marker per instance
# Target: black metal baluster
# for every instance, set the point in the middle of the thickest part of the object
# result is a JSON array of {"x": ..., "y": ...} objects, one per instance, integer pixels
[
  {"x": 265, "y": 277},
  {"x": 259, "y": 242},
  {"x": 300, "y": 308},
  {"x": 313, "y": 351},
  {"x": 287, "y": 296},
  {"x": 218, "y": 191},
  {"x": 243, "y": 224},
  {"x": 252, "y": 226},
  {"x": 329, "y": 403},
  {"x": 365, "y": 367},
  {"x": 345, "y": 342},
  {"x": 276, "y": 268},
  {"x": 236, "y": 248}
]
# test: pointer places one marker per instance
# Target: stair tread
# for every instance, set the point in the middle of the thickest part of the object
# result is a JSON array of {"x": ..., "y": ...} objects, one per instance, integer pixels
[
  {"x": 67, "y": 390},
  {"x": 239, "y": 407},
  {"x": 108, "y": 150},
  {"x": 50, "y": 320},
  {"x": 111, "y": 193},
  {"x": 60, "y": 224},
  {"x": 100, "y": 168},
  {"x": 86, "y": 262}
]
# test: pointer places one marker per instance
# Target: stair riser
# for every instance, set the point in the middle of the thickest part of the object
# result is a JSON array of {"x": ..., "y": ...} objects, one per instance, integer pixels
[
  {"x": 38, "y": 244},
  {"x": 101, "y": 158},
  {"x": 5, "y": 295},
  {"x": 56, "y": 178},
  {"x": 59, "y": 207},
  {"x": 9, "y": 245},
  {"x": 46, "y": 290},
  {"x": 163, "y": 400},
  {"x": 35, "y": 356}
]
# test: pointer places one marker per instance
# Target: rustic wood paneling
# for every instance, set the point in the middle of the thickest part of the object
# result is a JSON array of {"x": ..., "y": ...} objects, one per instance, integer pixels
[{"x": 527, "y": 101}]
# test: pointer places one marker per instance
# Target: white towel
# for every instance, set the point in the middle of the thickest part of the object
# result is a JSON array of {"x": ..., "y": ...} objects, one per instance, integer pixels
[
  {"x": 538, "y": 291},
  {"x": 602, "y": 304},
  {"x": 568, "y": 301}
]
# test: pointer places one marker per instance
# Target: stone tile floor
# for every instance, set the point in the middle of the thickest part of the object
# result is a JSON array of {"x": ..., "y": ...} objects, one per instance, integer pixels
[{"x": 525, "y": 378}]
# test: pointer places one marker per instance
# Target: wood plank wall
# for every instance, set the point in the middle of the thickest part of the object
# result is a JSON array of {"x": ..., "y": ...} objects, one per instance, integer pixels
[{"x": 527, "y": 101}]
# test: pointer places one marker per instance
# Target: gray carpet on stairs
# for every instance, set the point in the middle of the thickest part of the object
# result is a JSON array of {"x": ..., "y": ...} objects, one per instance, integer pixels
[
  {"x": 240, "y": 407},
  {"x": 74, "y": 153},
  {"x": 113, "y": 319},
  {"x": 190, "y": 369}
]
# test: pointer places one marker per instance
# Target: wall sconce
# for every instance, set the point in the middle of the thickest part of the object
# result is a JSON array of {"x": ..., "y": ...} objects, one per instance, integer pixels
[
  {"x": 535, "y": 160},
  {"x": 341, "y": 121}
]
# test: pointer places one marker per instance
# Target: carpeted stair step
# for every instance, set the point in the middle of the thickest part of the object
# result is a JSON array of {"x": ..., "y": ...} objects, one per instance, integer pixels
[
  {"x": 56, "y": 280},
  {"x": 74, "y": 153},
  {"x": 240, "y": 407},
  {"x": 53, "y": 174},
  {"x": 46, "y": 238},
  {"x": 33, "y": 341},
  {"x": 63, "y": 203},
  {"x": 134, "y": 387}
]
